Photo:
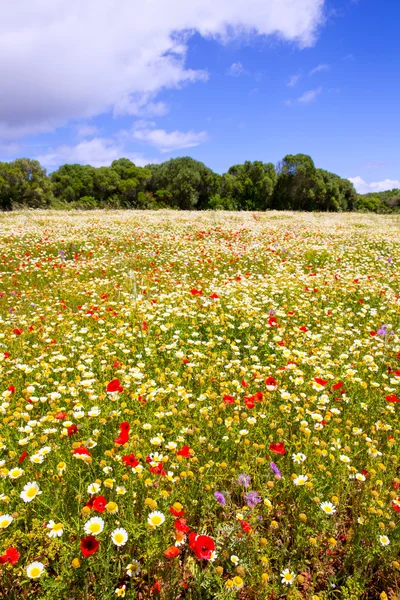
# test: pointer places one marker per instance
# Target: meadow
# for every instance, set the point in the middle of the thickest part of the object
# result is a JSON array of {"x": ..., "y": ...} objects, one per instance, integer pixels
[{"x": 199, "y": 406}]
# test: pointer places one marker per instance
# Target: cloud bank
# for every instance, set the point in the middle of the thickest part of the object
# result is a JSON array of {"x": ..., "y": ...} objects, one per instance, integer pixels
[{"x": 63, "y": 60}]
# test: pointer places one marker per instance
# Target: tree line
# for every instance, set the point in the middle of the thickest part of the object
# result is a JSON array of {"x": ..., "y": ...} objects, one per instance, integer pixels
[{"x": 185, "y": 184}]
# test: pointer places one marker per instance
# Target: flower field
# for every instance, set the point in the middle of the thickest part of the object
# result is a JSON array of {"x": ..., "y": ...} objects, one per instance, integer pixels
[{"x": 199, "y": 405}]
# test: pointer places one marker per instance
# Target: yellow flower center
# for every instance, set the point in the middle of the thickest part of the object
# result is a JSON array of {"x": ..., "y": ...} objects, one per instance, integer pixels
[
  {"x": 95, "y": 527},
  {"x": 31, "y": 492},
  {"x": 156, "y": 520},
  {"x": 35, "y": 572},
  {"x": 119, "y": 538}
]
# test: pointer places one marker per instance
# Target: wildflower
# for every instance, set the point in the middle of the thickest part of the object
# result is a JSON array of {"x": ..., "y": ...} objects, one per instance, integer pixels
[
  {"x": 384, "y": 540},
  {"x": 114, "y": 386},
  {"x": 328, "y": 508},
  {"x": 252, "y": 499},
  {"x": 112, "y": 508},
  {"x": 119, "y": 537},
  {"x": 5, "y": 521},
  {"x": 11, "y": 556},
  {"x": 235, "y": 559},
  {"x": 298, "y": 458},
  {"x": 120, "y": 591},
  {"x": 35, "y": 570},
  {"x": 300, "y": 480},
  {"x": 275, "y": 469},
  {"x": 220, "y": 498},
  {"x": 56, "y": 529},
  {"x": 202, "y": 545},
  {"x": 238, "y": 582},
  {"x": 30, "y": 491},
  {"x": 93, "y": 488},
  {"x": 89, "y": 545},
  {"x": 94, "y": 526},
  {"x": 171, "y": 552},
  {"x": 278, "y": 448},
  {"x": 288, "y": 577},
  {"x": 155, "y": 519},
  {"x": 133, "y": 568},
  {"x": 244, "y": 480},
  {"x": 15, "y": 473}
]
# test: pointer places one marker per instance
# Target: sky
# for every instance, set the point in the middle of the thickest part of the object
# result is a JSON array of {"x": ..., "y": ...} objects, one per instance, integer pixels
[{"x": 223, "y": 81}]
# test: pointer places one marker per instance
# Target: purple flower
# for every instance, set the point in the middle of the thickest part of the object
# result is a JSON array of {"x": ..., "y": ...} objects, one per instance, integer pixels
[
  {"x": 275, "y": 470},
  {"x": 390, "y": 260},
  {"x": 382, "y": 330},
  {"x": 220, "y": 498},
  {"x": 252, "y": 499},
  {"x": 244, "y": 479}
]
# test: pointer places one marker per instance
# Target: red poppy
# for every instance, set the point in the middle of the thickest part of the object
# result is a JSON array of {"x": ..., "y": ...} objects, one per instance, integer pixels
[
  {"x": 195, "y": 292},
  {"x": 171, "y": 552},
  {"x": 185, "y": 361},
  {"x": 158, "y": 470},
  {"x": 337, "y": 386},
  {"x": 392, "y": 398},
  {"x": 145, "y": 326},
  {"x": 278, "y": 448},
  {"x": 303, "y": 328},
  {"x": 203, "y": 547},
  {"x": 184, "y": 451},
  {"x": 81, "y": 451},
  {"x": 397, "y": 373},
  {"x": 99, "y": 504},
  {"x": 130, "y": 460},
  {"x": 320, "y": 381},
  {"x": 11, "y": 556},
  {"x": 246, "y": 527},
  {"x": 117, "y": 365},
  {"x": 244, "y": 383},
  {"x": 17, "y": 331},
  {"x": 180, "y": 525},
  {"x": 373, "y": 333},
  {"x": 60, "y": 416},
  {"x": 22, "y": 457},
  {"x": 396, "y": 504},
  {"x": 114, "y": 386},
  {"x": 214, "y": 296},
  {"x": 124, "y": 430},
  {"x": 11, "y": 388},
  {"x": 89, "y": 545},
  {"x": 249, "y": 401},
  {"x": 228, "y": 399},
  {"x": 6, "y": 354},
  {"x": 270, "y": 382},
  {"x": 272, "y": 322},
  {"x": 71, "y": 430},
  {"x": 176, "y": 513}
]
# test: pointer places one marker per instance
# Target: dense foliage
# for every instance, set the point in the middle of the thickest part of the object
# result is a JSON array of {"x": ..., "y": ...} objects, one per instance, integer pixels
[
  {"x": 186, "y": 184},
  {"x": 199, "y": 406}
]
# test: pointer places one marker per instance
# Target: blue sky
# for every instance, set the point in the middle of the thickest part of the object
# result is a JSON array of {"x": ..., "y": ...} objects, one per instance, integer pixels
[{"x": 222, "y": 81}]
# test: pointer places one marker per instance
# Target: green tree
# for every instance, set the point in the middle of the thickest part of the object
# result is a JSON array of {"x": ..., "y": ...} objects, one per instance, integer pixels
[
  {"x": 250, "y": 185},
  {"x": 72, "y": 182},
  {"x": 185, "y": 183},
  {"x": 297, "y": 184},
  {"x": 24, "y": 183}
]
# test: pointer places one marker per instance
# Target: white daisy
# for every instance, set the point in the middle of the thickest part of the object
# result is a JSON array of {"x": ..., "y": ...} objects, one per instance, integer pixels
[
  {"x": 30, "y": 491},
  {"x": 34, "y": 570},
  {"x": 94, "y": 526},
  {"x": 119, "y": 537}
]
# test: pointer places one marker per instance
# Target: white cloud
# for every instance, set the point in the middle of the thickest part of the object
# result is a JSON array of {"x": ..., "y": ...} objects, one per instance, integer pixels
[
  {"x": 293, "y": 80},
  {"x": 310, "y": 96},
  {"x": 169, "y": 141},
  {"x": 319, "y": 69},
  {"x": 66, "y": 59},
  {"x": 85, "y": 131},
  {"x": 235, "y": 70},
  {"x": 98, "y": 152},
  {"x": 363, "y": 187}
]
